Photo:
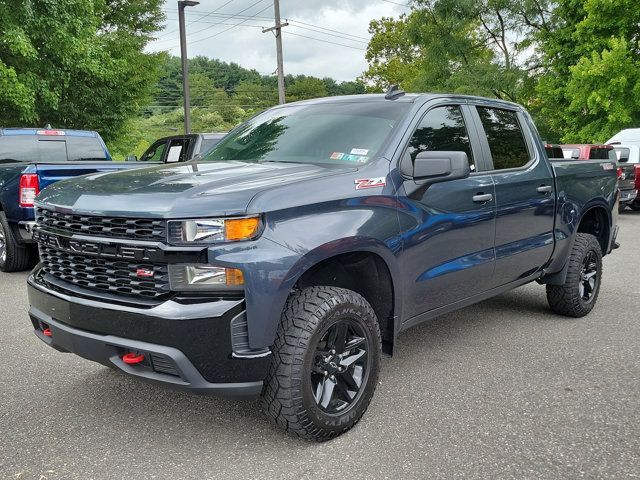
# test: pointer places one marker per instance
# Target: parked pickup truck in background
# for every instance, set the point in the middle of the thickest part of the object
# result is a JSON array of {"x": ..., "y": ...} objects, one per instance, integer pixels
[
  {"x": 178, "y": 148},
  {"x": 293, "y": 254},
  {"x": 626, "y": 172},
  {"x": 30, "y": 160},
  {"x": 629, "y": 154}
]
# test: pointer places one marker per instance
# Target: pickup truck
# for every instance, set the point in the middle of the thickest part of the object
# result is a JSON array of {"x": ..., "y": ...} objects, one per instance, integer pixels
[
  {"x": 178, "y": 148},
  {"x": 627, "y": 191},
  {"x": 287, "y": 260},
  {"x": 629, "y": 154},
  {"x": 30, "y": 160}
]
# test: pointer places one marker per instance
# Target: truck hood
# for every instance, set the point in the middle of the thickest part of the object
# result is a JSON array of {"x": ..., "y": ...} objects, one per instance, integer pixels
[{"x": 178, "y": 191}]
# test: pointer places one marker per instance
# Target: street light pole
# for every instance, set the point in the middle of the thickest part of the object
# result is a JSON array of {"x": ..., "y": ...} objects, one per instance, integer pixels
[{"x": 185, "y": 62}]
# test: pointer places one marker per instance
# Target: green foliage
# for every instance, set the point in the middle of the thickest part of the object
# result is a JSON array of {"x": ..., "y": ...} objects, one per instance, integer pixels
[
  {"x": 461, "y": 46},
  {"x": 590, "y": 88},
  {"x": 222, "y": 96},
  {"x": 75, "y": 63}
]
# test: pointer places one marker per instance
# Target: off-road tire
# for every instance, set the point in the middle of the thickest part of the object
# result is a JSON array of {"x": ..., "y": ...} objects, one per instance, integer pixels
[
  {"x": 18, "y": 257},
  {"x": 287, "y": 397},
  {"x": 566, "y": 299}
]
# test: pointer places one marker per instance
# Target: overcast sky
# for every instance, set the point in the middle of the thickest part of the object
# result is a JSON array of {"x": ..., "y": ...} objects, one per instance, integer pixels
[{"x": 230, "y": 30}]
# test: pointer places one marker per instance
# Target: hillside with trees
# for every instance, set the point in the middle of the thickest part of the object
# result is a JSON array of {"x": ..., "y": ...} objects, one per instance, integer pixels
[{"x": 222, "y": 95}]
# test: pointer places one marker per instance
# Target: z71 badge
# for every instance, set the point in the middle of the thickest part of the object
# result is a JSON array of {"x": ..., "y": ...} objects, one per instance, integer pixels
[{"x": 363, "y": 183}]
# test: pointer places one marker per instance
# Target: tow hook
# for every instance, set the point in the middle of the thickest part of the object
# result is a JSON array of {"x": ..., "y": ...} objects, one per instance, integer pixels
[
  {"x": 132, "y": 358},
  {"x": 47, "y": 332}
]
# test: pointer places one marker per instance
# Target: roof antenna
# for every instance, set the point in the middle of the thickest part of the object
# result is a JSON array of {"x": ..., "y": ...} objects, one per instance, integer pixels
[{"x": 393, "y": 93}]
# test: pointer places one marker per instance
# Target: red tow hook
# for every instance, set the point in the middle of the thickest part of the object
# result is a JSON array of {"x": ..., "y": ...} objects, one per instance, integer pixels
[
  {"x": 132, "y": 358},
  {"x": 47, "y": 332}
]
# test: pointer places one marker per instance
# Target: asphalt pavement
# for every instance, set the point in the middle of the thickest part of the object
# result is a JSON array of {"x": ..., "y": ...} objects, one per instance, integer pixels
[{"x": 502, "y": 389}]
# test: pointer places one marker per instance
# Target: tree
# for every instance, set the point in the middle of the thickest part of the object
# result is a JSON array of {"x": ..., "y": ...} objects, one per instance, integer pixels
[
  {"x": 305, "y": 88},
  {"x": 590, "y": 86},
  {"x": 464, "y": 46},
  {"x": 76, "y": 63}
]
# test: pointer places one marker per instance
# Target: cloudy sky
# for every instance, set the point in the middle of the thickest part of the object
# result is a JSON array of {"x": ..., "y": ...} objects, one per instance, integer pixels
[{"x": 324, "y": 38}]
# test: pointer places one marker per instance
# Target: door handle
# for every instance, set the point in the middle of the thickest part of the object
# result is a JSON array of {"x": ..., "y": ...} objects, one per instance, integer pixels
[
  {"x": 544, "y": 189},
  {"x": 483, "y": 197}
]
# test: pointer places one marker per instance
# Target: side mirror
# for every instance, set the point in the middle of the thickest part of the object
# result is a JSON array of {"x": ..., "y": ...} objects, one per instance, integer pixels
[
  {"x": 132, "y": 158},
  {"x": 438, "y": 166}
]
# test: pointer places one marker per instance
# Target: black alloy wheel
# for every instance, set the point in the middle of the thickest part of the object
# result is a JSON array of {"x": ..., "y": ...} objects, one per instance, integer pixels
[
  {"x": 589, "y": 277},
  {"x": 341, "y": 366},
  {"x": 326, "y": 360}
]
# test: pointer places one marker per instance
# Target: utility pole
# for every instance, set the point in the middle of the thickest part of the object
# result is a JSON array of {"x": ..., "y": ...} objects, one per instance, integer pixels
[
  {"x": 185, "y": 63},
  {"x": 278, "y": 32}
]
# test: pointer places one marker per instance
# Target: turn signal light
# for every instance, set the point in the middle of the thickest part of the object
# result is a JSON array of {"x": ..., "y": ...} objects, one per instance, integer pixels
[
  {"x": 241, "y": 228},
  {"x": 235, "y": 277}
]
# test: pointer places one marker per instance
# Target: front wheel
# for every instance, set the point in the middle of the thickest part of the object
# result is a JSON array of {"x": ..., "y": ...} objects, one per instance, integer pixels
[
  {"x": 579, "y": 293},
  {"x": 325, "y": 366}
]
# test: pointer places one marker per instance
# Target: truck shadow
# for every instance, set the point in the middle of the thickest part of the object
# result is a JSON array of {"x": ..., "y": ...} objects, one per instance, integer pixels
[{"x": 157, "y": 416}]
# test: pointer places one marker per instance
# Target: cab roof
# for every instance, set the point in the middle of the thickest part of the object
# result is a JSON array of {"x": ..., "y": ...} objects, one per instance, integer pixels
[{"x": 47, "y": 131}]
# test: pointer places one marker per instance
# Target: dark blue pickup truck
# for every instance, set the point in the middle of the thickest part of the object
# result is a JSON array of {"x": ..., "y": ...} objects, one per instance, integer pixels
[
  {"x": 30, "y": 160},
  {"x": 290, "y": 257}
]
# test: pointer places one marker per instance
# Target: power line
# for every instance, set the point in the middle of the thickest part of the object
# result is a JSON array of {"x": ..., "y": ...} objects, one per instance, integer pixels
[
  {"x": 327, "y": 41},
  {"x": 234, "y": 16},
  {"x": 396, "y": 3},
  {"x": 327, "y": 29},
  {"x": 333, "y": 35},
  {"x": 201, "y": 17},
  {"x": 230, "y": 28}
]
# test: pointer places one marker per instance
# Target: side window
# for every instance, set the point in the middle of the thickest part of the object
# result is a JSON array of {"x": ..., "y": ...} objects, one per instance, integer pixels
[
  {"x": 506, "y": 141},
  {"x": 441, "y": 129},
  {"x": 622, "y": 154},
  {"x": 177, "y": 150},
  {"x": 155, "y": 152}
]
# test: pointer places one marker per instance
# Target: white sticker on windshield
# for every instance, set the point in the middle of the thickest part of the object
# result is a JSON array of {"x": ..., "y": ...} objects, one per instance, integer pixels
[{"x": 359, "y": 151}]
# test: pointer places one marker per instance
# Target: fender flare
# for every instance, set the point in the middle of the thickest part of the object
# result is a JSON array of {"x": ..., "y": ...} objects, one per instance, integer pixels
[
  {"x": 558, "y": 278},
  {"x": 327, "y": 251}
]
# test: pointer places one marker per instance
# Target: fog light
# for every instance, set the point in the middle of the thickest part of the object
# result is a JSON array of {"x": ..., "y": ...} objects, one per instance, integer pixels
[{"x": 204, "y": 277}]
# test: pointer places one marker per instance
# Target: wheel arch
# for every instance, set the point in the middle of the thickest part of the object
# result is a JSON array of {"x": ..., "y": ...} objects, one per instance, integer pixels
[
  {"x": 594, "y": 212},
  {"x": 343, "y": 263}
]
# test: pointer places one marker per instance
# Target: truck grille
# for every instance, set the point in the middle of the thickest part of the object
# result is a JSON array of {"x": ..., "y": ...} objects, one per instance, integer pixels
[
  {"x": 111, "y": 276},
  {"x": 113, "y": 227}
]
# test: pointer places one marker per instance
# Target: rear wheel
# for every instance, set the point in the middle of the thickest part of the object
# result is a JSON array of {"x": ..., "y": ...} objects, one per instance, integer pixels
[
  {"x": 325, "y": 364},
  {"x": 13, "y": 256},
  {"x": 579, "y": 293}
]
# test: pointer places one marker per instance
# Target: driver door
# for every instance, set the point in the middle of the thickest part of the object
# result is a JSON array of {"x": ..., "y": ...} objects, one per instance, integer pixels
[{"x": 448, "y": 228}]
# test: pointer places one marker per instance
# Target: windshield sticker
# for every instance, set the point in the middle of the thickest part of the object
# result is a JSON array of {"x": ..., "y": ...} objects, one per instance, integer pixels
[
  {"x": 336, "y": 156},
  {"x": 359, "y": 151},
  {"x": 363, "y": 183},
  {"x": 355, "y": 158}
]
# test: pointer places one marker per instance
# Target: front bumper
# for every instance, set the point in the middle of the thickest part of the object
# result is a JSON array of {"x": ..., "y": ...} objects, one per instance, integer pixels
[{"x": 186, "y": 345}]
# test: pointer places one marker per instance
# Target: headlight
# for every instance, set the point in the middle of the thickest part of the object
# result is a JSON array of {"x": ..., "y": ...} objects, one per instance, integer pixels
[
  {"x": 204, "y": 277},
  {"x": 213, "y": 230}
]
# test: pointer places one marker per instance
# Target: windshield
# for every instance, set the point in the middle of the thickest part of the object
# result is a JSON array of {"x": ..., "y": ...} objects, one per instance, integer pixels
[{"x": 328, "y": 133}]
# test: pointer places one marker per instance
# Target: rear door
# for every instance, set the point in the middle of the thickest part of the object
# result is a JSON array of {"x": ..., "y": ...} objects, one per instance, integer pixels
[
  {"x": 449, "y": 227},
  {"x": 524, "y": 189}
]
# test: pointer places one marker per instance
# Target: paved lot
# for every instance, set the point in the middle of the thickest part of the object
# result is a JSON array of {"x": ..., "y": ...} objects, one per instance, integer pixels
[{"x": 503, "y": 389}]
